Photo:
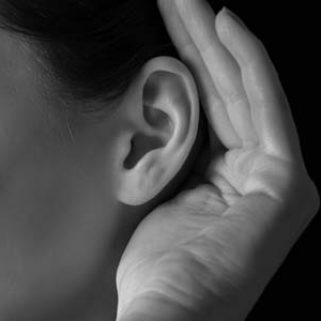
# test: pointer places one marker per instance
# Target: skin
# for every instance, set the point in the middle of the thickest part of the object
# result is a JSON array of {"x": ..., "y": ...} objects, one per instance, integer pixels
[
  {"x": 73, "y": 189},
  {"x": 53, "y": 197},
  {"x": 69, "y": 203},
  {"x": 208, "y": 253}
]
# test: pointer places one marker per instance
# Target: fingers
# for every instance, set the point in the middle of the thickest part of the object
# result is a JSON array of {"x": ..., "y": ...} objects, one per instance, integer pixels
[
  {"x": 244, "y": 99},
  {"x": 199, "y": 20},
  {"x": 214, "y": 106},
  {"x": 269, "y": 106}
]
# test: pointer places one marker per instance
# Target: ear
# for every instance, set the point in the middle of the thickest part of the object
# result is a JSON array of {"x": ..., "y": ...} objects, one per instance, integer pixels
[{"x": 162, "y": 116}]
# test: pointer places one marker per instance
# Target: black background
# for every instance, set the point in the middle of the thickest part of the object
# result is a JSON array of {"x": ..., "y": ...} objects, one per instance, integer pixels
[{"x": 290, "y": 34}]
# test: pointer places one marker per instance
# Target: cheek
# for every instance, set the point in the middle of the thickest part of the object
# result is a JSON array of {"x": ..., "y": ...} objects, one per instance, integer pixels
[
  {"x": 57, "y": 249},
  {"x": 15, "y": 130},
  {"x": 57, "y": 215},
  {"x": 25, "y": 125}
]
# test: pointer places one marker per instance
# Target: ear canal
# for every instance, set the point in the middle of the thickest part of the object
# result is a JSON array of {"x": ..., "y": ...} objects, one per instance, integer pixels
[{"x": 140, "y": 145}]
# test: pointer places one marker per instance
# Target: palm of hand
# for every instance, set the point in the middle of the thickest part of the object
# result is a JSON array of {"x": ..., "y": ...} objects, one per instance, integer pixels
[{"x": 197, "y": 248}]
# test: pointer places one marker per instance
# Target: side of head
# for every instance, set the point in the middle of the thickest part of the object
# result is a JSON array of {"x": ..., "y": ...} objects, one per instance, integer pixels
[{"x": 98, "y": 118}]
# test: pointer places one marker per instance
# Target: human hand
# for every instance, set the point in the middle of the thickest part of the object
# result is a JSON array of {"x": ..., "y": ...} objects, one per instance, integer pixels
[{"x": 208, "y": 253}]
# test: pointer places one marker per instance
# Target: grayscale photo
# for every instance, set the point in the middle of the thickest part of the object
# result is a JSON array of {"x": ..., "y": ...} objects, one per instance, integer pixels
[{"x": 158, "y": 161}]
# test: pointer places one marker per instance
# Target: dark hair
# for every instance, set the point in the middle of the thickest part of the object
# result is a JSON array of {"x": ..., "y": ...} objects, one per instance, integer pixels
[{"x": 94, "y": 47}]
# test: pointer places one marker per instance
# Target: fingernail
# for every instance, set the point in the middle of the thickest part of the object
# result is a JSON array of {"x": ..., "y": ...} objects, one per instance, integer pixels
[{"x": 235, "y": 17}]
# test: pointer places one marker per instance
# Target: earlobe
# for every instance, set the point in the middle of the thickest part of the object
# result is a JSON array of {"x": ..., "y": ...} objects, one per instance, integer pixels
[{"x": 164, "y": 114}]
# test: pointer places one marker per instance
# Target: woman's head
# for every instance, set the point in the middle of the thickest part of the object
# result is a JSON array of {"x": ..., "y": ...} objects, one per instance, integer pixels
[{"x": 96, "y": 113}]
